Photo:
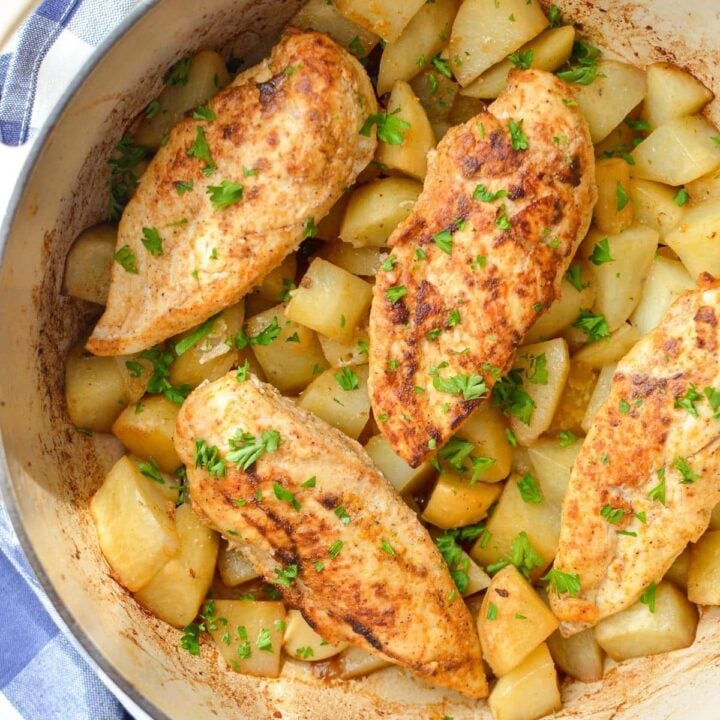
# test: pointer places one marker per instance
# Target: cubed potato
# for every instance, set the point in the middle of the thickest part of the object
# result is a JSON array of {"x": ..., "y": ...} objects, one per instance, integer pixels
[
  {"x": 704, "y": 188},
  {"x": 376, "y": 209},
  {"x": 341, "y": 353},
  {"x": 545, "y": 389},
  {"x": 346, "y": 410},
  {"x": 293, "y": 358},
  {"x": 528, "y": 692},
  {"x": 672, "y": 93},
  {"x": 249, "y": 635},
  {"x": 695, "y": 239},
  {"x": 478, "y": 579},
  {"x": 636, "y": 632},
  {"x": 579, "y": 655},
  {"x": 329, "y": 300},
  {"x": 410, "y": 156},
  {"x": 213, "y": 354},
  {"x": 206, "y": 75},
  {"x": 487, "y": 428},
  {"x": 388, "y": 20},
  {"x": 677, "y": 152},
  {"x": 550, "y": 50},
  {"x": 566, "y": 308},
  {"x": 553, "y": 464},
  {"x": 148, "y": 429},
  {"x": 613, "y": 211},
  {"x": 87, "y": 266},
  {"x": 655, "y": 205},
  {"x": 135, "y": 525},
  {"x": 300, "y": 641},
  {"x": 363, "y": 261},
  {"x": 455, "y": 502},
  {"x": 278, "y": 282},
  {"x": 355, "y": 662},
  {"x": 423, "y": 37},
  {"x": 623, "y": 136},
  {"x": 574, "y": 401},
  {"x": 599, "y": 396},
  {"x": 715, "y": 518},
  {"x": 486, "y": 32},
  {"x": 324, "y": 17},
  {"x": 678, "y": 572},
  {"x": 616, "y": 90},
  {"x": 234, "y": 568},
  {"x": 464, "y": 109},
  {"x": 404, "y": 479},
  {"x": 703, "y": 580},
  {"x": 178, "y": 589},
  {"x": 248, "y": 356},
  {"x": 610, "y": 350},
  {"x": 436, "y": 93},
  {"x": 666, "y": 281}
]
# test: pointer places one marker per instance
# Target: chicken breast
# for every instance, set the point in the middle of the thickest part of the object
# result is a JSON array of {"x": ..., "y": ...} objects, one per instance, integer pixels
[
  {"x": 316, "y": 517},
  {"x": 286, "y": 134},
  {"x": 648, "y": 474},
  {"x": 507, "y": 197}
]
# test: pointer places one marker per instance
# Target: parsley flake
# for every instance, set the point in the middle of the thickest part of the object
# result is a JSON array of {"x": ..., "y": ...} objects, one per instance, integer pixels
[{"x": 225, "y": 194}]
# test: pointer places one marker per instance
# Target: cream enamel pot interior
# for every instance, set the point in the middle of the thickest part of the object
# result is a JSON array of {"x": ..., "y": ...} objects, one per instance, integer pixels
[{"x": 51, "y": 469}]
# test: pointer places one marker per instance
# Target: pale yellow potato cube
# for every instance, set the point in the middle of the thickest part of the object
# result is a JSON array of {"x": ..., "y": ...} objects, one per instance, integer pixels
[
  {"x": 340, "y": 352},
  {"x": 87, "y": 266},
  {"x": 135, "y": 525},
  {"x": 610, "y": 350},
  {"x": 553, "y": 464},
  {"x": 487, "y": 428},
  {"x": 636, "y": 632},
  {"x": 579, "y": 655},
  {"x": 528, "y": 692},
  {"x": 599, "y": 396},
  {"x": 437, "y": 94},
  {"x": 703, "y": 580},
  {"x": 486, "y": 32},
  {"x": 655, "y": 205},
  {"x": 678, "y": 151},
  {"x": 704, "y": 188},
  {"x": 324, "y": 17},
  {"x": 455, "y": 502},
  {"x": 679, "y": 571},
  {"x": 234, "y": 568},
  {"x": 249, "y": 635},
  {"x": 574, "y": 401},
  {"x": 178, "y": 589},
  {"x": 695, "y": 239},
  {"x": 363, "y": 261},
  {"x": 329, "y": 300},
  {"x": 387, "y": 20},
  {"x": 672, "y": 93},
  {"x": 355, "y": 662},
  {"x": 478, "y": 579},
  {"x": 346, "y": 410},
  {"x": 376, "y": 209},
  {"x": 464, "y": 109},
  {"x": 613, "y": 211},
  {"x": 300, "y": 641},
  {"x": 404, "y": 479},
  {"x": 279, "y": 281}
]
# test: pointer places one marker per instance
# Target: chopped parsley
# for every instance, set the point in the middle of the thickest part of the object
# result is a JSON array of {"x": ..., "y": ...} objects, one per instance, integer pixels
[
  {"x": 509, "y": 395},
  {"x": 342, "y": 515},
  {"x": 658, "y": 492},
  {"x": 179, "y": 73},
  {"x": 196, "y": 336},
  {"x": 243, "y": 371},
  {"x": 442, "y": 66},
  {"x": 286, "y": 576},
  {"x": 601, "y": 253},
  {"x": 612, "y": 514},
  {"x": 593, "y": 325},
  {"x": 183, "y": 186},
  {"x": 348, "y": 379},
  {"x": 335, "y": 549},
  {"x": 492, "y": 612},
  {"x": 389, "y": 263},
  {"x": 283, "y": 494},
  {"x": 681, "y": 196},
  {"x": 159, "y": 382},
  {"x": 452, "y": 554},
  {"x": 648, "y": 597},
  {"x": 522, "y": 59},
  {"x": 689, "y": 476},
  {"x": 444, "y": 241},
  {"x": 152, "y": 241},
  {"x": 201, "y": 151},
  {"x": 537, "y": 372},
  {"x": 263, "y": 642},
  {"x": 203, "y": 112},
  {"x": 529, "y": 490},
  {"x": 482, "y": 194},
  {"x": 621, "y": 196},
  {"x": 246, "y": 449},
  {"x": 310, "y": 482},
  {"x": 225, "y": 194},
  {"x": 688, "y": 400},
  {"x": 713, "y": 397},
  {"x": 264, "y": 337},
  {"x": 583, "y": 64},
  {"x": 471, "y": 387},
  {"x": 555, "y": 17},
  {"x": 208, "y": 458},
  {"x": 390, "y": 128},
  {"x": 395, "y": 293},
  {"x": 562, "y": 583},
  {"x": 502, "y": 220},
  {"x": 387, "y": 548},
  {"x": 151, "y": 470},
  {"x": 518, "y": 139},
  {"x": 574, "y": 277},
  {"x": 304, "y": 653},
  {"x": 125, "y": 257},
  {"x": 567, "y": 438}
]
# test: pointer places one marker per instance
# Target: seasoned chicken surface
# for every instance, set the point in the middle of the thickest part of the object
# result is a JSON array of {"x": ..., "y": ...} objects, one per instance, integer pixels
[
  {"x": 314, "y": 510},
  {"x": 649, "y": 466},
  {"x": 287, "y": 132},
  {"x": 507, "y": 197}
]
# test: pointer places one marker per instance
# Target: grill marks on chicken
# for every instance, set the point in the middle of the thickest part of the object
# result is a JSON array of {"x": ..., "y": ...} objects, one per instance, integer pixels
[
  {"x": 366, "y": 571},
  {"x": 287, "y": 132},
  {"x": 508, "y": 195},
  {"x": 653, "y": 453}
]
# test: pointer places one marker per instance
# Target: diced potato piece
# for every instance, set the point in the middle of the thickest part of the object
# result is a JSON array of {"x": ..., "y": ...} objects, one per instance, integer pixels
[
  {"x": 579, "y": 655},
  {"x": 387, "y": 20},
  {"x": 205, "y": 76},
  {"x": 355, "y": 662},
  {"x": 293, "y": 358},
  {"x": 376, "y": 209},
  {"x": 248, "y": 356},
  {"x": 679, "y": 571},
  {"x": 252, "y": 630},
  {"x": 704, "y": 188},
  {"x": 672, "y": 93},
  {"x": 177, "y": 591},
  {"x": 546, "y": 389},
  {"x": 410, "y": 156},
  {"x": 213, "y": 354},
  {"x": 421, "y": 39},
  {"x": 329, "y": 300},
  {"x": 464, "y": 109},
  {"x": 666, "y": 281},
  {"x": 87, "y": 267},
  {"x": 404, "y": 479},
  {"x": 363, "y": 261},
  {"x": 234, "y": 568},
  {"x": 695, "y": 239},
  {"x": 487, "y": 428},
  {"x": 613, "y": 211},
  {"x": 575, "y": 399},
  {"x": 353, "y": 351},
  {"x": 148, "y": 429},
  {"x": 655, "y": 206},
  {"x": 302, "y": 642},
  {"x": 486, "y": 32},
  {"x": 135, "y": 525},
  {"x": 553, "y": 464},
  {"x": 610, "y": 350},
  {"x": 599, "y": 396},
  {"x": 623, "y": 135},
  {"x": 346, "y": 410},
  {"x": 455, "y": 502},
  {"x": 677, "y": 152},
  {"x": 550, "y": 50},
  {"x": 636, "y": 632},
  {"x": 324, "y": 17},
  {"x": 703, "y": 581},
  {"x": 528, "y": 692},
  {"x": 616, "y": 90},
  {"x": 279, "y": 281},
  {"x": 513, "y": 621},
  {"x": 478, "y": 579},
  {"x": 329, "y": 227},
  {"x": 437, "y": 94}
]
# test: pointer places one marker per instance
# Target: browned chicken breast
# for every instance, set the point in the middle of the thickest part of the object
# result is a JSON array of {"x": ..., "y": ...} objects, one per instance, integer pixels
[
  {"x": 648, "y": 474},
  {"x": 319, "y": 520},
  {"x": 233, "y": 190},
  {"x": 507, "y": 197}
]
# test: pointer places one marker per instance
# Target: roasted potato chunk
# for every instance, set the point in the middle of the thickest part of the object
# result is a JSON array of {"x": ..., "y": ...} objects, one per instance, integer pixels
[
  {"x": 87, "y": 266},
  {"x": 300, "y": 641}
]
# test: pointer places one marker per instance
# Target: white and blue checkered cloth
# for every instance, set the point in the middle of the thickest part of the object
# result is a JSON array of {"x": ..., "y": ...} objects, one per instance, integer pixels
[{"x": 42, "y": 673}]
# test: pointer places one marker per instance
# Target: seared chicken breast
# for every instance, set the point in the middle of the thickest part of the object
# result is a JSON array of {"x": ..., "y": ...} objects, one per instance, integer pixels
[
  {"x": 648, "y": 474},
  {"x": 317, "y": 518},
  {"x": 234, "y": 189},
  {"x": 507, "y": 197}
]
